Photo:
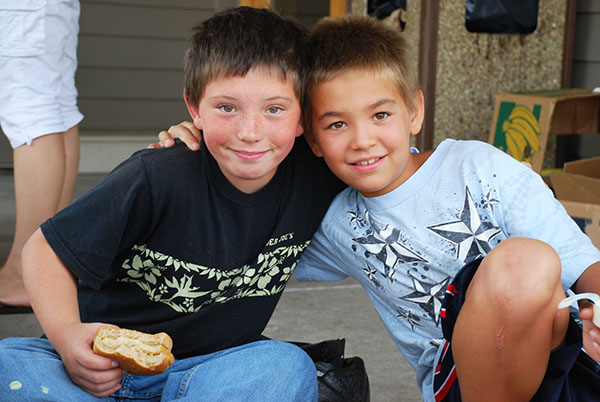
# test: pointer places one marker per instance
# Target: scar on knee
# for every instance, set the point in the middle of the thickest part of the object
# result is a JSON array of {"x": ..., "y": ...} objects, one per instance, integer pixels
[
  {"x": 500, "y": 339},
  {"x": 15, "y": 385}
]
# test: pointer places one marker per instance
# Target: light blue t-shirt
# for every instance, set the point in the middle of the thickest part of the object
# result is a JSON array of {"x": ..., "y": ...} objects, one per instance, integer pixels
[{"x": 405, "y": 246}]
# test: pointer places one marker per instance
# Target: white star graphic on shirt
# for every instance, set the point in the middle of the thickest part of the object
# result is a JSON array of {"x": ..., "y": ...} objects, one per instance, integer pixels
[
  {"x": 489, "y": 201},
  {"x": 469, "y": 233},
  {"x": 383, "y": 244},
  {"x": 428, "y": 297},
  {"x": 369, "y": 271},
  {"x": 412, "y": 319}
]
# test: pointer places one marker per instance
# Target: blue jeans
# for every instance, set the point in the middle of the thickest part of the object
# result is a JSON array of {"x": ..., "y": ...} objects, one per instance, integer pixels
[{"x": 31, "y": 370}]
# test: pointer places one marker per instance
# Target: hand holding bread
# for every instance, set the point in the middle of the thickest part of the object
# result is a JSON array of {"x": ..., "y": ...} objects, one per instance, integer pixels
[{"x": 138, "y": 353}]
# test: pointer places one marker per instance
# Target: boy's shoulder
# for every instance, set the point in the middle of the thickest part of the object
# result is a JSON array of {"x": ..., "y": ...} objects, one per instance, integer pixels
[
  {"x": 175, "y": 158},
  {"x": 468, "y": 145},
  {"x": 175, "y": 152},
  {"x": 474, "y": 150},
  {"x": 161, "y": 165}
]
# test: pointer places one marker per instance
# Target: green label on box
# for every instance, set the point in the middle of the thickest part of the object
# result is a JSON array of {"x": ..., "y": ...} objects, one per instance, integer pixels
[{"x": 518, "y": 130}]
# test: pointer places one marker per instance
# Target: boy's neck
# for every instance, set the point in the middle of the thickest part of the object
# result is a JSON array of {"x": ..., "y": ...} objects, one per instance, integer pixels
[{"x": 416, "y": 160}]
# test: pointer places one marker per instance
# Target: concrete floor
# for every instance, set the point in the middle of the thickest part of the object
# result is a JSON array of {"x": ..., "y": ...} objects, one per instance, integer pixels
[{"x": 307, "y": 312}]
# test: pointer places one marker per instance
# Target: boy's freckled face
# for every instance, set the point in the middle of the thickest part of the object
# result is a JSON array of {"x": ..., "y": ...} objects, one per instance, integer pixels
[
  {"x": 249, "y": 125},
  {"x": 362, "y": 128}
]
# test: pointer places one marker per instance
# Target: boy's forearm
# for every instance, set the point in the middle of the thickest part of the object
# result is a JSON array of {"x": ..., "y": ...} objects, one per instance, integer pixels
[{"x": 50, "y": 285}]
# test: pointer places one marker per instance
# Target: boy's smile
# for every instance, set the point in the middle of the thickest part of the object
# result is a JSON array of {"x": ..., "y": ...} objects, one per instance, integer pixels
[
  {"x": 362, "y": 128},
  {"x": 249, "y": 125}
]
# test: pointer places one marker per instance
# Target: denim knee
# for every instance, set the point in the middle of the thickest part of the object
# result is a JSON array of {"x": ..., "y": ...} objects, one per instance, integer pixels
[{"x": 294, "y": 369}]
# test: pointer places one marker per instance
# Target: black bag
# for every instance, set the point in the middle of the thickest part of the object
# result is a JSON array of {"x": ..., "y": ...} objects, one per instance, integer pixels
[
  {"x": 501, "y": 16},
  {"x": 340, "y": 379}
]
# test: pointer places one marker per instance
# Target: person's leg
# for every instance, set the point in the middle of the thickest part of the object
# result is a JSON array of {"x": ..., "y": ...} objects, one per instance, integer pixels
[
  {"x": 71, "y": 149},
  {"x": 509, "y": 322},
  {"x": 260, "y": 371},
  {"x": 39, "y": 175},
  {"x": 31, "y": 370},
  {"x": 44, "y": 172}
]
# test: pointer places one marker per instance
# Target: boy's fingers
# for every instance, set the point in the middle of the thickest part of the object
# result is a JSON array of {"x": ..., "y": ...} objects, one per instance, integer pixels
[
  {"x": 165, "y": 139},
  {"x": 586, "y": 313},
  {"x": 190, "y": 127},
  {"x": 188, "y": 133},
  {"x": 98, "y": 363},
  {"x": 99, "y": 386}
]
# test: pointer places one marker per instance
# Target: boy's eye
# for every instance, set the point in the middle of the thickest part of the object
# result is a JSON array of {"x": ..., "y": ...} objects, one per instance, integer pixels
[
  {"x": 227, "y": 108},
  {"x": 337, "y": 125},
  {"x": 274, "y": 109},
  {"x": 380, "y": 115}
]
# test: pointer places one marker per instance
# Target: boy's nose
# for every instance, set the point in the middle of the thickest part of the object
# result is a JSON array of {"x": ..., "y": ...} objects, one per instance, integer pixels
[
  {"x": 363, "y": 138},
  {"x": 249, "y": 129}
]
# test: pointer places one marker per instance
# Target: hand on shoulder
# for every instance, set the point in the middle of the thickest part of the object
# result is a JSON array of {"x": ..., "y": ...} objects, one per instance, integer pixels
[{"x": 185, "y": 131}]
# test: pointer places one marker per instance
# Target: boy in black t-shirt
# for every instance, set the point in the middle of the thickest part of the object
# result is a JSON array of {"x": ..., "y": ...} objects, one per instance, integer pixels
[{"x": 197, "y": 244}]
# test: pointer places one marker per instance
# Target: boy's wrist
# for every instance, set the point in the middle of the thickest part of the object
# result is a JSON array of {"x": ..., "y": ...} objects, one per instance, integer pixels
[{"x": 61, "y": 333}]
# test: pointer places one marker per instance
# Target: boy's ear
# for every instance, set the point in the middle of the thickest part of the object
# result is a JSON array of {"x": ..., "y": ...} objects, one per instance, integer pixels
[
  {"x": 299, "y": 128},
  {"x": 193, "y": 111},
  {"x": 417, "y": 113},
  {"x": 310, "y": 139}
]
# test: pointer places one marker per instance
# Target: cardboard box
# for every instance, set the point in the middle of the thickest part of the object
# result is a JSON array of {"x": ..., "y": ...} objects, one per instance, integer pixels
[
  {"x": 523, "y": 121},
  {"x": 577, "y": 187}
]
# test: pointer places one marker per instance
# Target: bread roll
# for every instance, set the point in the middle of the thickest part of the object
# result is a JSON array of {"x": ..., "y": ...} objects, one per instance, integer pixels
[{"x": 136, "y": 352}]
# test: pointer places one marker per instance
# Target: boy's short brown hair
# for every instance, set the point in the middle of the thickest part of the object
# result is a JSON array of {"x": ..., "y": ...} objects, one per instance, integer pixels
[
  {"x": 354, "y": 42},
  {"x": 232, "y": 42}
]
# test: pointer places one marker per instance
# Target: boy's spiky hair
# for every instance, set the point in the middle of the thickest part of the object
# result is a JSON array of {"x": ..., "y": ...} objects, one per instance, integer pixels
[
  {"x": 362, "y": 43},
  {"x": 231, "y": 42}
]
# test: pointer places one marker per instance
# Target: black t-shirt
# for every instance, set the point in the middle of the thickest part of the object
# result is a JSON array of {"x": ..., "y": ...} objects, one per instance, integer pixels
[{"x": 166, "y": 243}]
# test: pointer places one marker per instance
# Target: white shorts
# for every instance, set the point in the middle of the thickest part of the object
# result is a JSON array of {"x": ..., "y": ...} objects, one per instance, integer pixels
[{"x": 38, "y": 59}]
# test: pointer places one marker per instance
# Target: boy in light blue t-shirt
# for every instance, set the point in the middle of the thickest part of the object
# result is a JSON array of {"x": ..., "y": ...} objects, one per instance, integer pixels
[{"x": 462, "y": 244}]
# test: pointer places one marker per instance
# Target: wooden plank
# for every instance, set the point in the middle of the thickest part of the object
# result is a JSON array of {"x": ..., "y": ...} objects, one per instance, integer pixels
[
  {"x": 134, "y": 21},
  {"x": 256, "y": 3},
  {"x": 126, "y": 84},
  {"x": 95, "y": 51},
  {"x": 122, "y": 115},
  {"x": 568, "y": 44},
  {"x": 428, "y": 38},
  {"x": 337, "y": 7}
]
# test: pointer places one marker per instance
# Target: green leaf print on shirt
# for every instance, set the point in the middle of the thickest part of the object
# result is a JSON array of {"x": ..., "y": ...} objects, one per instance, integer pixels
[{"x": 187, "y": 287}]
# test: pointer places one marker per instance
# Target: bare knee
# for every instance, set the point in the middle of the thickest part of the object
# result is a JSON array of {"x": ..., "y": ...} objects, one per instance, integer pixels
[{"x": 520, "y": 273}]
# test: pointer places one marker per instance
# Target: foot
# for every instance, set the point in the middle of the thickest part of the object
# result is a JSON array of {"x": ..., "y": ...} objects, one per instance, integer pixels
[{"x": 12, "y": 291}]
